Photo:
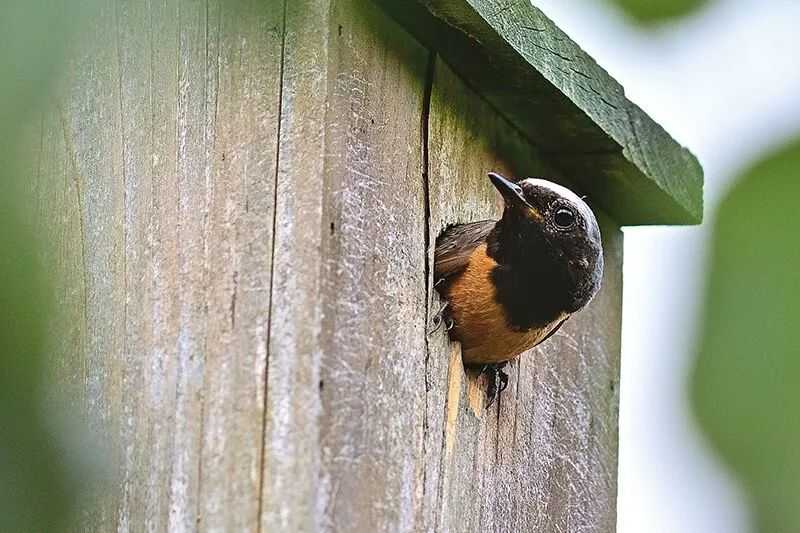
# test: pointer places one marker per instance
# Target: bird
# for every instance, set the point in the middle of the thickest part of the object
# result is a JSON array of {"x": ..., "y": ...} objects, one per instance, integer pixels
[{"x": 510, "y": 284}]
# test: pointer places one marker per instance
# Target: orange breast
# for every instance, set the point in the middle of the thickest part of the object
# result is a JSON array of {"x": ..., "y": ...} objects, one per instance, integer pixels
[{"x": 480, "y": 323}]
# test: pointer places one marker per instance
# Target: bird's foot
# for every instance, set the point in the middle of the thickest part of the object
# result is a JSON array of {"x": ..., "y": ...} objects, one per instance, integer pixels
[
  {"x": 496, "y": 374},
  {"x": 439, "y": 319}
]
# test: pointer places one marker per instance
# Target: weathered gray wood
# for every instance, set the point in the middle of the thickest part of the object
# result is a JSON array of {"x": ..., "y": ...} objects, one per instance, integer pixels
[
  {"x": 558, "y": 96},
  {"x": 163, "y": 239},
  {"x": 93, "y": 145},
  {"x": 168, "y": 120},
  {"x": 342, "y": 444},
  {"x": 51, "y": 185},
  {"x": 373, "y": 289},
  {"x": 241, "y": 176},
  {"x": 544, "y": 457},
  {"x": 291, "y": 435},
  {"x": 131, "y": 50},
  {"x": 248, "y": 209}
]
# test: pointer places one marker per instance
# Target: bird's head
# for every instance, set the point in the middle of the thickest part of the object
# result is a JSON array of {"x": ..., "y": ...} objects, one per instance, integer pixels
[{"x": 546, "y": 222}]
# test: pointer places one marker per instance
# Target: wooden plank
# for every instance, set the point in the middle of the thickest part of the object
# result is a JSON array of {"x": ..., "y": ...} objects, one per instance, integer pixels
[
  {"x": 132, "y": 56},
  {"x": 162, "y": 277},
  {"x": 558, "y": 96},
  {"x": 191, "y": 264},
  {"x": 291, "y": 433},
  {"x": 89, "y": 116},
  {"x": 373, "y": 286},
  {"x": 544, "y": 457},
  {"x": 164, "y": 144},
  {"x": 62, "y": 256},
  {"x": 242, "y": 98}
]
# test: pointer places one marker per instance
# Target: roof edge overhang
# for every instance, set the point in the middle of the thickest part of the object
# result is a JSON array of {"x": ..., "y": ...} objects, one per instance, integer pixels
[{"x": 564, "y": 102}]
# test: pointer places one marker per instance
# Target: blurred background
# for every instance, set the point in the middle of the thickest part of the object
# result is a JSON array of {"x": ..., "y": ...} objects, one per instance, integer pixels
[
  {"x": 723, "y": 78},
  {"x": 48, "y": 460},
  {"x": 709, "y": 418}
]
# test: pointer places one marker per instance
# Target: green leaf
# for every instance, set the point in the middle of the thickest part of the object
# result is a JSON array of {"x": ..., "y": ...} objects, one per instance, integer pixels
[
  {"x": 746, "y": 384},
  {"x": 655, "y": 11}
]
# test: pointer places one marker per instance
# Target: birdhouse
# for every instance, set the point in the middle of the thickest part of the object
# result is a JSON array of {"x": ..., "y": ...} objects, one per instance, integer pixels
[{"x": 248, "y": 194}]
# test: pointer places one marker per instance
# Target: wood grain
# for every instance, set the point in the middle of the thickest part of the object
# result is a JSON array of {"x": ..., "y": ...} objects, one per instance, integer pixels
[
  {"x": 167, "y": 122},
  {"x": 290, "y": 444},
  {"x": 373, "y": 289},
  {"x": 246, "y": 210}
]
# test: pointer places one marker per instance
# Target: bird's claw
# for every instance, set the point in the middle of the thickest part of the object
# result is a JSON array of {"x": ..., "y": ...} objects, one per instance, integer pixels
[
  {"x": 495, "y": 373},
  {"x": 439, "y": 319}
]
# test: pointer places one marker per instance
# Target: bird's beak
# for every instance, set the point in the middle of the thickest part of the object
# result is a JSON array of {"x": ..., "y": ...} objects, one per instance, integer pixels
[{"x": 512, "y": 193}]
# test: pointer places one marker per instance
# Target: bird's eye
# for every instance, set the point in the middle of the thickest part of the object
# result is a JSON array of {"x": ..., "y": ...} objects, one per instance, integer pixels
[{"x": 564, "y": 218}]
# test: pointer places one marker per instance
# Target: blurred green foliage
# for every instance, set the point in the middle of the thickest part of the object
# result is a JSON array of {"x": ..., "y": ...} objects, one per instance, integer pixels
[
  {"x": 35, "y": 492},
  {"x": 656, "y": 11},
  {"x": 746, "y": 382},
  {"x": 746, "y": 385},
  {"x": 41, "y": 476}
]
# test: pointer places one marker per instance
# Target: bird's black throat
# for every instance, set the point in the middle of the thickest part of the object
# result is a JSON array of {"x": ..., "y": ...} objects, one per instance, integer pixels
[{"x": 531, "y": 279}]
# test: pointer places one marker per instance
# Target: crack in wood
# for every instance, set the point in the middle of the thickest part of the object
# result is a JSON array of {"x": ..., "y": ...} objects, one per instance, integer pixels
[
  {"x": 533, "y": 29},
  {"x": 551, "y": 51},
  {"x": 428, "y": 238},
  {"x": 581, "y": 73},
  {"x": 76, "y": 178},
  {"x": 263, "y": 451}
]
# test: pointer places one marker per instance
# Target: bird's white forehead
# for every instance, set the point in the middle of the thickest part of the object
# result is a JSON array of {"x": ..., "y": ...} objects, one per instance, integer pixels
[
  {"x": 561, "y": 191},
  {"x": 555, "y": 187}
]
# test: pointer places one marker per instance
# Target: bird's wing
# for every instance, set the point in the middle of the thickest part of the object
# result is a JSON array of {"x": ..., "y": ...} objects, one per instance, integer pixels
[{"x": 455, "y": 245}]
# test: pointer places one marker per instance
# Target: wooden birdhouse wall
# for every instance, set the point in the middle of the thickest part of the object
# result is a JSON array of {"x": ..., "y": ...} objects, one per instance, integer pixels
[{"x": 246, "y": 198}]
